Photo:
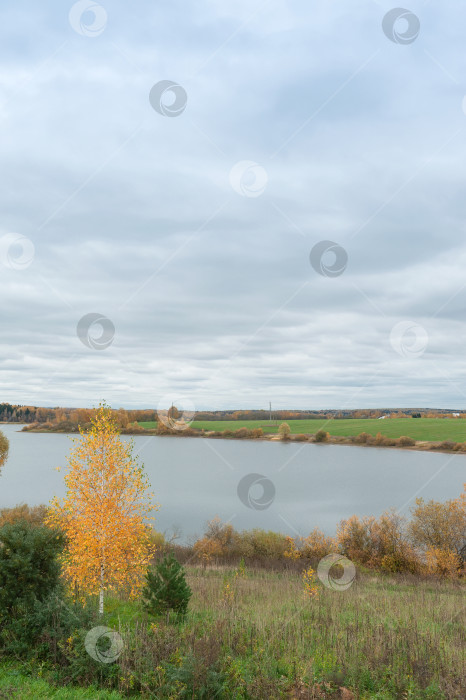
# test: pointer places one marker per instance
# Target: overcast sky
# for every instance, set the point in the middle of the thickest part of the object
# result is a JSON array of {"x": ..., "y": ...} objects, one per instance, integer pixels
[{"x": 186, "y": 221}]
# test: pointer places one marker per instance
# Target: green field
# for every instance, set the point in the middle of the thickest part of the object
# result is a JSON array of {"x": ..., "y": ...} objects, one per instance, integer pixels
[{"x": 417, "y": 428}]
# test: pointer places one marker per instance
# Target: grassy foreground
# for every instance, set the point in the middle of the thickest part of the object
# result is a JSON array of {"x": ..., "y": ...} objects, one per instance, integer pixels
[
  {"x": 256, "y": 636},
  {"x": 417, "y": 428},
  {"x": 16, "y": 683}
]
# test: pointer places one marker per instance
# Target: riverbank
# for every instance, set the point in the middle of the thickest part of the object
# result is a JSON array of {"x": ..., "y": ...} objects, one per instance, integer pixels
[{"x": 404, "y": 442}]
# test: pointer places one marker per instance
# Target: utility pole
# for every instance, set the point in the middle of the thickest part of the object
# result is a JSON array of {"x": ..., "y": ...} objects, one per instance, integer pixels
[{"x": 270, "y": 409}]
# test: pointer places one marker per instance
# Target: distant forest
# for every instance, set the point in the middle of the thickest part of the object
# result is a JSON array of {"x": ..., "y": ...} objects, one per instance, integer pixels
[
  {"x": 75, "y": 416},
  {"x": 81, "y": 416}
]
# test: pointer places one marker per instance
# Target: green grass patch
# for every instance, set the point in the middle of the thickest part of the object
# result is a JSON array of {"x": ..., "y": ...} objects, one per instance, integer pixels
[{"x": 17, "y": 681}]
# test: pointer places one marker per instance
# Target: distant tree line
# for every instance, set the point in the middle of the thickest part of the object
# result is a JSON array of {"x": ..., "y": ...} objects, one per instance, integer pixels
[
  {"x": 17, "y": 414},
  {"x": 278, "y": 415},
  {"x": 262, "y": 414},
  {"x": 72, "y": 416},
  {"x": 126, "y": 418}
]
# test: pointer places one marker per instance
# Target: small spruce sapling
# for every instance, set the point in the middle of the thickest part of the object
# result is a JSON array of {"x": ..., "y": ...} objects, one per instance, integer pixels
[{"x": 166, "y": 588}]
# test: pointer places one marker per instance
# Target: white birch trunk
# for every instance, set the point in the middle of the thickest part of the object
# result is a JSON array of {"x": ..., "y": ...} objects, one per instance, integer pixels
[{"x": 101, "y": 594}]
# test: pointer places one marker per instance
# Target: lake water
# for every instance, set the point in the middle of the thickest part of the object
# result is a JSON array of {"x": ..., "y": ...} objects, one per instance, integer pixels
[{"x": 194, "y": 479}]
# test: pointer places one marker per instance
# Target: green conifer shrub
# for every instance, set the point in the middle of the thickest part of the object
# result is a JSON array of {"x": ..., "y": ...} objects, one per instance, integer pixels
[
  {"x": 29, "y": 569},
  {"x": 166, "y": 588}
]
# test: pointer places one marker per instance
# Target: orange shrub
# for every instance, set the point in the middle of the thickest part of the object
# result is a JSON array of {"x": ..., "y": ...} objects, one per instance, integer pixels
[
  {"x": 354, "y": 538},
  {"x": 317, "y": 545},
  {"x": 449, "y": 445},
  {"x": 438, "y": 525},
  {"x": 362, "y": 438},
  {"x": 393, "y": 548},
  {"x": 310, "y": 588},
  {"x": 241, "y": 433},
  {"x": 406, "y": 441},
  {"x": 378, "y": 543},
  {"x": 207, "y": 549},
  {"x": 284, "y": 431},
  {"x": 443, "y": 562},
  {"x": 32, "y": 514},
  {"x": 261, "y": 543},
  {"x": 383, "y": 440},
  {"x": 291, "y": 551},
  {"x": 223, "y": 534}
]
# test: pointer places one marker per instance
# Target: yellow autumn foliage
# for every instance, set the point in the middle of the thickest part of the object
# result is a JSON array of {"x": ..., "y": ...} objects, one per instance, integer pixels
[{"x": 104, "y": 513}]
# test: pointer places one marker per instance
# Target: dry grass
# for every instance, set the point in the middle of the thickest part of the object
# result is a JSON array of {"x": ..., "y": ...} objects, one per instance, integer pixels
[
  {"x": 384, "y": 637},
  {"x": 252, "y": 634}
]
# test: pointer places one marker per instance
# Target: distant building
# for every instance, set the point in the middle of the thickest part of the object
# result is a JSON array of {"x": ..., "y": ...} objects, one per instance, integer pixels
[{"x": 381, "y": 417}]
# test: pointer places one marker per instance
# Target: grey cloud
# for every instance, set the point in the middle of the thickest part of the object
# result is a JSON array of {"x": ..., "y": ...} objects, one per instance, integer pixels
[{"x": 132, "y": 215}]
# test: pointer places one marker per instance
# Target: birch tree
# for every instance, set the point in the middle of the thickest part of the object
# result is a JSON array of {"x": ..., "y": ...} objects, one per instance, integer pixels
[{"x": 104, "y": 513}]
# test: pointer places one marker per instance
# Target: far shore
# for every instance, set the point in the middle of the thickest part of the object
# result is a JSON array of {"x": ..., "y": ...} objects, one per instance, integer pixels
[{"x": 419, "y": 445}]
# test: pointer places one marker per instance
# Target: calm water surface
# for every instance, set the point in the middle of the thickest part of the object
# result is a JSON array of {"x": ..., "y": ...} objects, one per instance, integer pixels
[{"x": 195, "y": 479}]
